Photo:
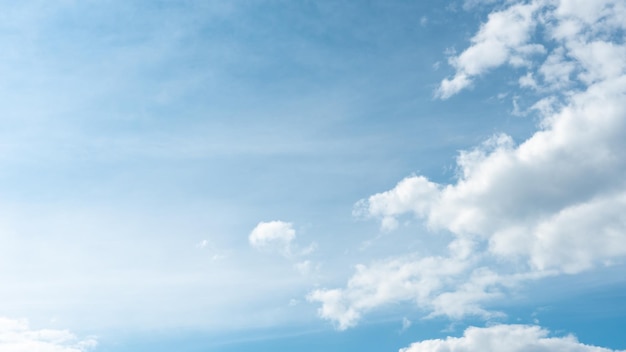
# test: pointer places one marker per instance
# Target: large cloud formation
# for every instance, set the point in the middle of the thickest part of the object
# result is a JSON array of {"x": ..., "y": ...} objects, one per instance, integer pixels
[
  {"x": 17, "y": 336},
  {"x": 511, "y": 338},
  {"x": 554, "y": 203}
]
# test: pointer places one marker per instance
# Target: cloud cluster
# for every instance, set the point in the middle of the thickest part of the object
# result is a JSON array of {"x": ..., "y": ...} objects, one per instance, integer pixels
[
  {"x": 502, "y": 39},
  {"x": 581, "y": 30},
  {"x": 383, "y": 283},
  {"x": 455, "y": 285},
  {"x": 554, "y": 203},
  {"x": 558, "y": 198},
  {"x": 512, "y": 338},
  {"x": 17, "y": 336}
]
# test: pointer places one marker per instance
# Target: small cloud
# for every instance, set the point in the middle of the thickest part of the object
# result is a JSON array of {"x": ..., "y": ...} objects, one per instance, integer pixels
[
  {"x": 528, "y": 81},
  {"x": 450, "y": 87},
  {"x": 273, "y": 235},
  {"x": 406, "y": 323},
  {"x": 278, "y": 236}
]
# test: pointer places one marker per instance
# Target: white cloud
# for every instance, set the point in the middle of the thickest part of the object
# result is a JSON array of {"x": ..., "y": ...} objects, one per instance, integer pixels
[
  {"x": 600, "y": 59},
  {"x": 412, "y": 194},
  {"x": 17, "y": 336},
  {"x": 528, "y": 81},
  {"x": 273, "y": 235},
  {"x": 503, "y": 38},
  {"x": 587, "y": 52},
  {"x": 552, "y": 204},
  {"x": 454, "y": 286},
  {"x": 556, "y": 70},
  {"x": 581, "y": 29},
  {"x": 511, "y": 338},
  {"x": 557, "y": 202},
  {"x": 391, "y": 281},
  {"x": 279, "y": 236},
  {"x": 581, "y": 18},
  {"x": 558, "y": 198}
]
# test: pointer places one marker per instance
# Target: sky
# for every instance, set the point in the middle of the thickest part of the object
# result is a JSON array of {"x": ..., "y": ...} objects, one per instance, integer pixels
[{"x": 264, "y": 175}]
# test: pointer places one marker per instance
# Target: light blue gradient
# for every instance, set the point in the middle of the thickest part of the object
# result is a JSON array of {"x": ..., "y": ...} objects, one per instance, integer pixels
[{"x": 130, "y": 131}]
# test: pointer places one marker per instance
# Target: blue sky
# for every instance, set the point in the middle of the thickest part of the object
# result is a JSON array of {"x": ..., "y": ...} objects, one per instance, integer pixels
[{"x": 315, "y": 176}]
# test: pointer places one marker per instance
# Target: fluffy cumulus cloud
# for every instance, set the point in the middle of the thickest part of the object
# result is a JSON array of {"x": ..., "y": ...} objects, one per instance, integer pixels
[
  {"x": 453, "y": 285},
  {"x": 581, "y": 28},
  {"x": 17, "y": 336},
  {"x": 384, "y": 283},
  {"x": 558, "y": 198},
  {"x": 502, "y": 39},
  {"x": 279, "y": 237},
  {"x": 512, "y": 338},
  {"x": 273, "y": 235},
  {"x": 554, "y": 203}
]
